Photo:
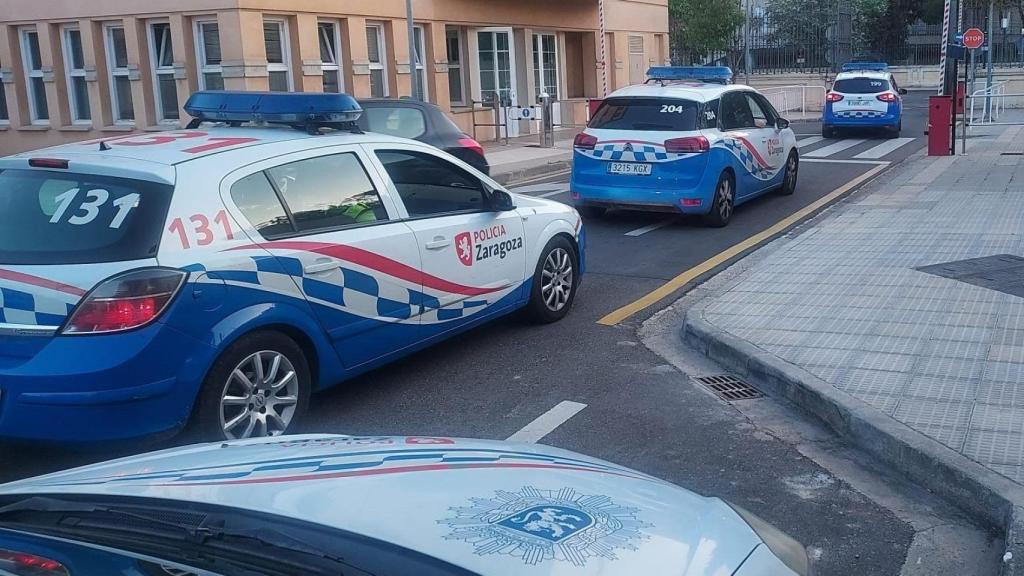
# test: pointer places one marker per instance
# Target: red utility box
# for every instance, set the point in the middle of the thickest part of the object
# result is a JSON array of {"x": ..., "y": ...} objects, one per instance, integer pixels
[{"x": 940, "y": 125}]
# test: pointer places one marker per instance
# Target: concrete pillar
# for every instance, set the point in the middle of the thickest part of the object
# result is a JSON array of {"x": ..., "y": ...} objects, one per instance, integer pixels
[
  {"x": 436, "y": 66},
  {"x": 186, "y": 75},
  {"x": 399, "y": 58},
  {"x": 305, "y": 39},
  {"x": 355, "y": 53},
  {"x": 13, "y": 77},
  {"x": 243, "y": 54},
  {"x": 49, "y": 51},
  {"x": 140, "y": 71},
  {"x": 99, "y": 88}
]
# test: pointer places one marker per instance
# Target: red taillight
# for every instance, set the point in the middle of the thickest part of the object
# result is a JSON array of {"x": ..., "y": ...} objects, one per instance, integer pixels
[
  {"x": 34, "y": 564},
  {"x": 887, "y": 97},
  {"x": 690, "y": 201},
  {"x": 127, "y": 301},
  {"x": 584, "y": 141},
  {"x": 833, "y": 97},
  {"x": 688, "y": 145},
  {"x": 467, "y": 142},
  {"x": 48, "y": 163}
]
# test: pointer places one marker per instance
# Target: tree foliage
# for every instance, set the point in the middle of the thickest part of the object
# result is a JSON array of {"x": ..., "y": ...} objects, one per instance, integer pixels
[{"x": 700, "y": 28}]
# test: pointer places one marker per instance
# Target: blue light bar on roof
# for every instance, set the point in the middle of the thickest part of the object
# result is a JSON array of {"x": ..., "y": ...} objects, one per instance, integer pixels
[
  {"x": 273, "y": 107},
  {"x": 866, "y": 66},
  {"x": 721, "y": 74}
]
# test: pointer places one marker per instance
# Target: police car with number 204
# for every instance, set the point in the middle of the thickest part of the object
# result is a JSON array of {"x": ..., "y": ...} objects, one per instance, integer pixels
[
  {"x": 219, "y": 275},
  {"x": 687, "y": 142},
  {"x": 864, "y": 95}
]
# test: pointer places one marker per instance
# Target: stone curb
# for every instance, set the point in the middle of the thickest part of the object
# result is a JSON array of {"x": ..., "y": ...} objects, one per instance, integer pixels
[
  {"x": 990, "y": 498},
  {"x": 518, "y": 175}
]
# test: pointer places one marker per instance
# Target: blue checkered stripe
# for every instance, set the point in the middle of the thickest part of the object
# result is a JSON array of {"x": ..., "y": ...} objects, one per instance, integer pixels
[
  {"x": 632, "y": 152},
  {"x": 25, "y": 308},
  {"x": 741, "y": 152},
  {"x": 346, "y": 289},
  {"x": 859, "y": 114}
]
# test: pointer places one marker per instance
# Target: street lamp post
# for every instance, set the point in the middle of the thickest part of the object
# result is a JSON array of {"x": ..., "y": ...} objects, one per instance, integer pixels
[{"x": 413, "y": 53}]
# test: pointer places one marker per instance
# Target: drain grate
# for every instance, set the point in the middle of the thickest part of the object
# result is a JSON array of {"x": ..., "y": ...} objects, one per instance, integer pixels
[{"x": 729, "y": 388}]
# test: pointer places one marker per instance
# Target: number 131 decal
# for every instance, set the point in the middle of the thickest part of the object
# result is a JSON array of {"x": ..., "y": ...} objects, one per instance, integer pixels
[{"x": 199, "y": 230}]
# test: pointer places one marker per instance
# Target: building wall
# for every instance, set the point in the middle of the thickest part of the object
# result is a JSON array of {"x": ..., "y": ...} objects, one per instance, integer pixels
[{"x": 244, "y": 59}]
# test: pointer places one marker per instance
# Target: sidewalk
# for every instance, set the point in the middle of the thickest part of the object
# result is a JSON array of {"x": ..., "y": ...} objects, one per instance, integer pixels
[
  {"x": 870, "y": 319},
  {"x": 523, "y": 159}
]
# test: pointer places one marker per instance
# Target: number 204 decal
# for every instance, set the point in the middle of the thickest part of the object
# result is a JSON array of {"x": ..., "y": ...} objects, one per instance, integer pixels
[{"x": 201, "y": 230}]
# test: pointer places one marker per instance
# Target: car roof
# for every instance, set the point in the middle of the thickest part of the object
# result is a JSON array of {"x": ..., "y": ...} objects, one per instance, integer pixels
[
  {"x": 191, "y": 145},
  {"x": 881, "y": 75},
  {"x": 698, "y": 91}
]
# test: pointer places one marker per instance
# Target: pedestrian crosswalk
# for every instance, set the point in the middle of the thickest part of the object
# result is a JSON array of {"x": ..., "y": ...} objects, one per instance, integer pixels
[{"x": 855, "y": 150}]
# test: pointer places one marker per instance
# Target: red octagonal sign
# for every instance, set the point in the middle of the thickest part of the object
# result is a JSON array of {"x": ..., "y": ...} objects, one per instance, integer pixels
[{"x": 974, "y": 38}]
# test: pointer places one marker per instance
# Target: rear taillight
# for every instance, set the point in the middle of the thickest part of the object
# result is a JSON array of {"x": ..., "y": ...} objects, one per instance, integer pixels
[
  {"x": 471, "y": 144},
  {"x": 887, "y": 97},
  {"x": 688, "y": 145},
  {"x": 833, "y": 97},
  {"x": 584, "y": 141},
  {"x": 124, "y": 302}
]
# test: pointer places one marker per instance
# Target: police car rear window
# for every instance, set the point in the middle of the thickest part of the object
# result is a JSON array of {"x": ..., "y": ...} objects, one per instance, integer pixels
[
  {"x": 646, "y": 114},
  {"x": 59, "y": 217},
  {"x": 861, "y": 85}
]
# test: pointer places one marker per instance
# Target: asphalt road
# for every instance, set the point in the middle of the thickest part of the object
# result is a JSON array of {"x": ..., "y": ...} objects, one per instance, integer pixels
[{"x": 641, "y": 410}]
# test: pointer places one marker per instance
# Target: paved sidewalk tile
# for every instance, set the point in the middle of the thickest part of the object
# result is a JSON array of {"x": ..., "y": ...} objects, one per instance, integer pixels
[{"x": 845, "y": 300}]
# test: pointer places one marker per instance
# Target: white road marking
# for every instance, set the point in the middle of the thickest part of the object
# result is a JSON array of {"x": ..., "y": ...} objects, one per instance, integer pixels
[
  {"x": 832, "y": 148},
  {"x": 547, "y": 422},
  {"x": 884, "y": 148},
  {"x": 808, "y": 141},
  {"x": 650, "y": 228},
  {"x": 555, "y": 193},
  {"x": 838, "y": 161}
]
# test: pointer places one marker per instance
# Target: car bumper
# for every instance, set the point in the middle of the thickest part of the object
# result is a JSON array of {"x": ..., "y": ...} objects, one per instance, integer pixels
[
  {"x": 81, "y": 389},
  {"x": 697, "y": 199},
  {"x": 884, "y": 121}
]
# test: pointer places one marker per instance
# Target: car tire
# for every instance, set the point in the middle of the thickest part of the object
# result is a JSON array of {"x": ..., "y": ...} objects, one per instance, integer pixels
[
  {"x": 558, "y": 263},
  {"x": 894, "y": 132},
  {"x": 593, "y": 211},
  {"x": 828, "y": 132},
  {"x": 724, "y": 203},
  {"x": 792, "y": 171},
  {"x": 276, "y": 393}
]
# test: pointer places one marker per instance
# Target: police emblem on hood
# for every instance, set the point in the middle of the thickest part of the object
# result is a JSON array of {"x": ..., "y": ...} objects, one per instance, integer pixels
[{"x": 541, "y": 525}]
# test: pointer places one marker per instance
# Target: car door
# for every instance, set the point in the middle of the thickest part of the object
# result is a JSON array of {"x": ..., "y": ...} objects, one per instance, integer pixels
[
  {"x": 474, "y": 258},
  {"x": 772, "y": 143},
  {"x": 338, "y": 236},
  {"x": 739, "y": 135}
]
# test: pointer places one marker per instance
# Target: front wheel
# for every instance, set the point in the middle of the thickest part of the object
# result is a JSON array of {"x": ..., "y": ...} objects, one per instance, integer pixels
[
  {"x": 554, "y": 282},
  {"x": 258, "y": 387},
  {"x": 724, "y": 202},
  {"x": 789, "y": 179}
]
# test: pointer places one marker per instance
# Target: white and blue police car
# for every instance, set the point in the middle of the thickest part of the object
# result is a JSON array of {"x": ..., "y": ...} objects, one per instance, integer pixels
[
  {"x": 863, "y": 95},
  {"x": 687, "y": 141},
  {"x": 387, "y": 506},
  {"x": 221, "y": 273}
]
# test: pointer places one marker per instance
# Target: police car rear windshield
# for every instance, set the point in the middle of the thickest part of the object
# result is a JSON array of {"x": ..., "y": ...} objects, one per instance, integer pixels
[
  {"x": 861, "y": 85},
  {"x": 646, "y": 115},
  {"x": 60, "y": 217}
]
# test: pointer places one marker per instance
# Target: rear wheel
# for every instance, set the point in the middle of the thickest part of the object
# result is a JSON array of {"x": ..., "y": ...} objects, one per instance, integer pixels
[
  {"x": 827, "y": 131},
  {"x": 259, "y": 386},
  {"x": 554, "y": 282},
  {"x": 894, "y": 132},
  {"x": 789, "y": 180},
  {"x": 724, "y": 203}
]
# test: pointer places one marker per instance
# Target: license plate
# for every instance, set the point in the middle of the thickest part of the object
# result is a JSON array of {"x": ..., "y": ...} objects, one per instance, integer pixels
[
  {"x": 629, "y": 168},
  {"x": 861, "y": 102}
]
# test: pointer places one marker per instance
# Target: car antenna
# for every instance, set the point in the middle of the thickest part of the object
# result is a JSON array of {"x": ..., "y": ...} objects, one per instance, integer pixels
[{"x": 104, "y": 146}]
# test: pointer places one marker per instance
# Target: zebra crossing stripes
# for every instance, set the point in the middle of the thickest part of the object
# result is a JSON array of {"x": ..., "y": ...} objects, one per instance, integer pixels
[
  {"x": 825, "y": 150},
  {"x": 831, "y": 149},
  {"x": 883, "y": 149},
  {"x": 809, "y": 141}
]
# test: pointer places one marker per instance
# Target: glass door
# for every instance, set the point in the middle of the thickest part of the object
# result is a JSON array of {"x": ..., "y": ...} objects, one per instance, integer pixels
[
  {"x": 545, "y": 70},
  {"x": 497, "y": 71}
]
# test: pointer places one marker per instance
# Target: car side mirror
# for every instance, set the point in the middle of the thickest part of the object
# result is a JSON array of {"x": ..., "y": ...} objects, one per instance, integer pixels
[
  {"x": 501, "y": 201},
  {"x": 781, "y": 123},
  {"x": 903, "y": 91}
]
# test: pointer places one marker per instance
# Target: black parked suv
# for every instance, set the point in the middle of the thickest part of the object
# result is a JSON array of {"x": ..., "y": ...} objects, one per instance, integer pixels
[{"x": 421, "y": 121}]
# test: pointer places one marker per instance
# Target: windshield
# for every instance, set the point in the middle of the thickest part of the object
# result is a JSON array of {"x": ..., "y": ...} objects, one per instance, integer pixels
[
  {"x": 860, "y": 85},
  {"x": 59, "y": 217},
  {"x": 646, "y": 114}
]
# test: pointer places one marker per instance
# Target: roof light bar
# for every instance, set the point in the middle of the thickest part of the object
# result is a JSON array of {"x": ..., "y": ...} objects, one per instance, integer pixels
[
  {"x": 292, "y": 108},
  {"x": 865, "y": 66},
  {"x": 718, "y": 74}
]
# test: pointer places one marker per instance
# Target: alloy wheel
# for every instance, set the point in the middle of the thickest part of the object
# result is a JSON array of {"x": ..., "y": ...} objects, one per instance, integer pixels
[{"x": 259, "y": 397}]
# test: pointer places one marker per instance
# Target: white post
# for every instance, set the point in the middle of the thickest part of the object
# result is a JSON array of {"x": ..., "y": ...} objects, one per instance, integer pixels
[
  {"x": 604, "y": 48},
  {"x": 413, "y": 49},
  {"x": 942, "y": 53}
]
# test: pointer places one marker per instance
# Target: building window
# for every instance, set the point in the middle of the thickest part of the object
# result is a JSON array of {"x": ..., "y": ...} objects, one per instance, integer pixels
[
  {"x": 545, "y": 65},
  {"x": 120, "y": 82},
  {"x": 38, "y": 109},
  {"x": 456, "y": 84},
  {"x": 330, "y": 57},
  {"x": 275, "y": 40},
  {"x": 4, "y": 117},
  {"x": 162, "y": 55},
  {"x": 211, "y": 76},
  {"x": 377, "y": 55},
  {"x": 74, "y": 67},
  {"x": 421, "y": 57}
]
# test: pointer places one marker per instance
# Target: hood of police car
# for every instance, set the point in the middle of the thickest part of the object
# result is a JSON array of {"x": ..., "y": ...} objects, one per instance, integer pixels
[{"x": 493, "y": 508}]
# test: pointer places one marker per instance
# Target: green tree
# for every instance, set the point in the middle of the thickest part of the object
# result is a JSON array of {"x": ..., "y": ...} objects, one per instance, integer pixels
[
  {"x": 700, "y": 28},
  {"x": 801, "y": 23}
]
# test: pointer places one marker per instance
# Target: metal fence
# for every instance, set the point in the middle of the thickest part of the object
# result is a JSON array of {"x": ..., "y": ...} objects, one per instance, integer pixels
[{"x": 829, "y": 34}]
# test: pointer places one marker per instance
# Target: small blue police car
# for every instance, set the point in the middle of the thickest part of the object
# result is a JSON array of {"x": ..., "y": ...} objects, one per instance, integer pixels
[
  {"x": 687, "y": 142},
  {"x": 221, "y": 274},
  {"x": 864, "y": 95}
]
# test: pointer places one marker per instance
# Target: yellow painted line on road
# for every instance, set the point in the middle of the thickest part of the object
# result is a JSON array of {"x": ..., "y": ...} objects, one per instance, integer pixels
[{"x": 667, "y": 289}]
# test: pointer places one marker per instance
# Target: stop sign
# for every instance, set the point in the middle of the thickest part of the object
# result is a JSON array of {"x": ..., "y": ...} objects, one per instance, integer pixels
[{"x": 974, "y": 38}]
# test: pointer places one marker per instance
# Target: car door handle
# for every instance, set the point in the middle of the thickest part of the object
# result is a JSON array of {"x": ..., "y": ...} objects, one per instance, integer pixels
[
  {"x": 438, "y": 243},
  {"x": 322, "y": 265}
]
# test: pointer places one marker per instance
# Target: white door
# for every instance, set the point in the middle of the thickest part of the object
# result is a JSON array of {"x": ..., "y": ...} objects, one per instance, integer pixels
[
  {"x": 545, "y": 71},
  {"x": 496, "y": 59},
  {"x": 473, "y": 258}
]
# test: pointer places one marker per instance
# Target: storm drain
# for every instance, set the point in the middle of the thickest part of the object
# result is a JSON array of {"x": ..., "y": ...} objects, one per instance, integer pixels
[{"x": 729, "y": 388}]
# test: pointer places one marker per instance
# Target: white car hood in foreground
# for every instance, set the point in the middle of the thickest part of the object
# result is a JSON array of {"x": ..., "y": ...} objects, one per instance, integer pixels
[{"x": 490, "y": 507}]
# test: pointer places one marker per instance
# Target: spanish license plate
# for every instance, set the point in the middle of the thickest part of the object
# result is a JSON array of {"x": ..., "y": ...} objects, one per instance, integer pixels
[{"x": 629, "y": 168}]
